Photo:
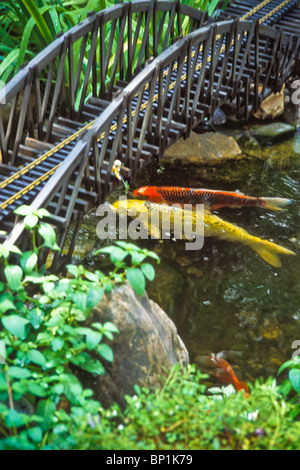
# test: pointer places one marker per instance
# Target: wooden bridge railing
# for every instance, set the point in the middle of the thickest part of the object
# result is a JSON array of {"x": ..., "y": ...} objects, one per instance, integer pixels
[{"x": 86, "y": 61}]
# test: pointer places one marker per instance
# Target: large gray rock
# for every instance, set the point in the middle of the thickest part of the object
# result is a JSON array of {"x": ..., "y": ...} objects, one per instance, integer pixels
[
  {"x": 145, "y": 350},
  {"x": 211, "y": 148}
]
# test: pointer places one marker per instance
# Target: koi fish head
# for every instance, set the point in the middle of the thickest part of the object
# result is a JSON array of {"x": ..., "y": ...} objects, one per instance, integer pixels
[{"x": 148, "y": 192}]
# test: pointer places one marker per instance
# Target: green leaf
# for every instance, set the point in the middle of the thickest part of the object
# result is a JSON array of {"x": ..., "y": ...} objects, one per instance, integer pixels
[
  {"x": 36, "y": 389},
  {"x": 24, "y": 42},
  {"x": 285, "y": 365},
  {"x": 110, "y": 327},
  {"x": 94, "y": 296},
  {"x": 15, "y": 249},
  {"x": 137, "y": 257},
  {"x": 3, "y": 383},
  {"x": 47, "y": 232},
  {"x": 39, "y": 20},
  {"x": 79, "y": 299},
  {"x": 43, "y": 213},
  {"x": 46, "y": 410},
  {"x": 20, "y": 387},
  {"x": 14, "y": 418},
  {"x": 153, "y": 255},
  {"x": 148, "y": 271},
  {"x": 35, "y": 434},
  {"x": 294, "y": 376},
  {"x": 57, "y": 344},
  {"x": 36, "y": 357},
  {"x": 72, "y": 386},
  {"x": 117, "y": 255},
  {"x": 87, "y": 363},
  {"x": 106, "y": 352},
  {"x": 108, "y": 285},
  {"x": 136, "y": 279},
  {"x": 106, "y": 249},
  {"x": 93, "y": 338},
  {"x": 14, "y": 275},
  {"x": 36, "y": 317},
  {"x": 6, "y": 303},
  {"x": 19, "y": 372},
  {"x": 4, "y": 252},
  {"x": 212, "y": 6},
  {"x": 48, "y": 287},
  {"x": 9, "y": 60},
  {"x": 127, "y": 246},
  {"x": 73, "y": 269},
  {"x": 16, "y": 325},
  {"x": 28, "y": 261},
  {"x": 23, "y": 210},
  {"x": 30, "y": 221},
  {"x": 91, "y": 276}
]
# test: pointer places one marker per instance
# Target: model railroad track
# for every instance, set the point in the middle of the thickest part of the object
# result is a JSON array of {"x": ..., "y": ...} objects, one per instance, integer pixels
[
  {"x": 37, "y": 160},
  {"x": 283, "y": 15}
]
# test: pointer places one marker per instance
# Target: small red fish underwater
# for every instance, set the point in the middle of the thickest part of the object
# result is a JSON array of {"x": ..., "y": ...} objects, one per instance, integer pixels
[
  {"x": 212, "y": 199},
  {"x": 223, "y": 371}
]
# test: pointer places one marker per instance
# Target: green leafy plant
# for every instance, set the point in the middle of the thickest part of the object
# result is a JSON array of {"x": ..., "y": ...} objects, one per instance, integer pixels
[
  {"x": 291, "y": 385},
  {"x": 184, "y": 415},
  {"x": 138, "y": 271},
  {"x": 45, "y": 336}
]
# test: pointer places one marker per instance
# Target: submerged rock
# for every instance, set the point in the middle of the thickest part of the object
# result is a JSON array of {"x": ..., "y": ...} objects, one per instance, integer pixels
[
  {"x": 280, "y": 155},
  {"x": 212, "y": 148},
  {"x": 145, "y": 350},
  {"x": 277, "y": 131},
  {"x": 219, "y": 118},
  {"x": 167, "y": 288}
]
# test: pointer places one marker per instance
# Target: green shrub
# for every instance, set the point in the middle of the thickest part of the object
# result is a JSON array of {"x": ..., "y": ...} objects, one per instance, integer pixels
[
  {"x": 45, "y": 337},
  {"x": 184, "y": 415}
]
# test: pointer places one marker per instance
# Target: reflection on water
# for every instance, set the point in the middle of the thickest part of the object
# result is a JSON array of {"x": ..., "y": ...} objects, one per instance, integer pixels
[{"x": 225, "y": 297}]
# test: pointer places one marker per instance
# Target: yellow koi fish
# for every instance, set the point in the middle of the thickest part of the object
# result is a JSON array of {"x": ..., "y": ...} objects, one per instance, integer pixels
[{"x": 214, "y": 226}]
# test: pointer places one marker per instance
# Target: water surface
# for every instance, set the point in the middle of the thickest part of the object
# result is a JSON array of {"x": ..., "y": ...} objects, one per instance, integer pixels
[{"x": 225, "y": 297}]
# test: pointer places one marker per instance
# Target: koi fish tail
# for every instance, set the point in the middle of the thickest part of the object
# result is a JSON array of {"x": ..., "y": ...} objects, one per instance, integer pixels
[
  {"x": 270, "y": 251},
  {"x": 276, "y": 203}
]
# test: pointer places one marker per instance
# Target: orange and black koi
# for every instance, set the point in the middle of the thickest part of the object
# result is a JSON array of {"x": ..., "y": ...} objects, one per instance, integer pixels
[
  {"x": 212, "y": 199},
  {"x": 222, "y": 370}
]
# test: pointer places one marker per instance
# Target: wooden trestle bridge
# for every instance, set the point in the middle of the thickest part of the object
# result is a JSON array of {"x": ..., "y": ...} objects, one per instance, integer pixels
[{"x": 125, "y": 84}]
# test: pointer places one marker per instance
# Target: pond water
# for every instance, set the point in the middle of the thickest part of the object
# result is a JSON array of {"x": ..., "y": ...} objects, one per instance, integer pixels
[{"x": 225, "y": 297}]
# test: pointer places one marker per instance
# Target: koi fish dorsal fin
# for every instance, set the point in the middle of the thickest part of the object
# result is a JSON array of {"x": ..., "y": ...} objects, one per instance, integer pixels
[{"x": 276, "y": 203}]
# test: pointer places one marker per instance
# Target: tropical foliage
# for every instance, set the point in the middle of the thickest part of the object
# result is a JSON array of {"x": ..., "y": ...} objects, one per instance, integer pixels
[{"x": 28, "y": 26}]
